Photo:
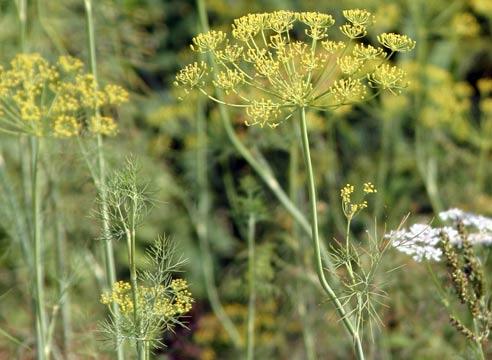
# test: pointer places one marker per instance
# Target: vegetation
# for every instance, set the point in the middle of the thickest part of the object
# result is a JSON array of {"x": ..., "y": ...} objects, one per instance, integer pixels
[{"x": 267, "y": 180}]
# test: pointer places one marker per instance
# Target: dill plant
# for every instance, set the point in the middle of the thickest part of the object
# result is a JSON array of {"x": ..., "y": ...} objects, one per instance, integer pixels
[
  {"x": 97, "y": 164},
  {"x": 271, "y": 73},
  {"x": 152, "y": 302},
  {"x": 39, "y": 99}
]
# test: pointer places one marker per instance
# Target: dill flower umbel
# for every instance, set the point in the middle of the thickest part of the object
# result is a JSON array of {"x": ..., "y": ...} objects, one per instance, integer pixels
[
  {"x": 43, "y": 99},
  {"x": 350, "y": 208},
  {"x": 157, "y": 304},
  {"x": 269, "y": 73}
]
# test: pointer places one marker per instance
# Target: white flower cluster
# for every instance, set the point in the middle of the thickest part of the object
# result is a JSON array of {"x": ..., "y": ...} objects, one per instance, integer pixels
[
  {"x": 481, "y": 223},
  {"x": 421, "y": 241}
]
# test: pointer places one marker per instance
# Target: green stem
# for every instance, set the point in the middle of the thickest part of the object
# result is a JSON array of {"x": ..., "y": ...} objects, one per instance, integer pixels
[
  {"x": 252, "y": 287},
  {"x": 38, "y": 251},
  {"x": 428, "y": 170},
  {"x": 307, "y": 335},
  {"x": 134, "y": 284},
  {"x": 263, "y": 172},
  {"x": 20, "y": 226},
  {"x": 101, "y": 181},
  {"x": 316, "y": 242},
  {"x": 202, "y": 230},
  {"x": 383, "y": 165},
  {"x": 61, "y": 266},
  {"x": 482, "y": 163},
  {"x": 22, "y": 10}
]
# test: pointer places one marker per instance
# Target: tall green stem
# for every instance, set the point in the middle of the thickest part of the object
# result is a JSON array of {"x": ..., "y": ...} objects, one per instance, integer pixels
[
  {"x": 252, "y": 287},
  {"x": 426, "y": 167},
  {"x": 316, "y": 241},
  {"x": 101, "y": 180},
  {"x": 38, "y": 250},
  {"x": 482, "y": 163},
  {"x": 202, "y": 229},
  {"x": 22, "y": 11},
  {"x": 61, "y": 267},
  {"x": 301, "y": 287},
  {"x": 261, "y": 169},
  {"x": 134, "y": 284},
  {"x": 383, "y": 165}
]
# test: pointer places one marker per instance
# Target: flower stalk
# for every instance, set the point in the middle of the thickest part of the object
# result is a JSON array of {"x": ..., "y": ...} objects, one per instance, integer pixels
[
  {"x": 316, "y": 241},
  {"x": 252, "y": 287},
  {"x": 37, "y": 243},
  {"x": 101, "y": 165}
]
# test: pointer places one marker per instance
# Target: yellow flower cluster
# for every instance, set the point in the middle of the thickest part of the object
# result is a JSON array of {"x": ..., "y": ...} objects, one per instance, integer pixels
[
  {"x": 448, "y": 102},
  {"x": 43, "y": 99},
  {"x": 465, "y": 25},
  {"x": 210, "y": 333},
  {"x": 271, "y": 73},
  {"x": 154, "y": 301},
  {"x": 350, "y": 209},
  {"x": 396, "y": 42},
  {"x": 120, "y": 295},
  {"x": 389, "y": 77}
]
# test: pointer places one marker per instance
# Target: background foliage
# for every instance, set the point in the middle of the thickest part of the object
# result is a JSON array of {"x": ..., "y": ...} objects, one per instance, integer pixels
[{"x": 426, "y": 151}]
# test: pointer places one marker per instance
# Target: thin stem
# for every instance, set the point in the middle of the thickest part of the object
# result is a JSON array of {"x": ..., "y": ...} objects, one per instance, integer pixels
[
  {"x": 478, "y": 342},
  {"x": 307, "y": 335},
  {"x": 22, "y": 10},
  {"x": 383, "y": 166},
  {"x": 482, "y": 163},
  {"x": 264, "y": 173},
  {"x": 19, "y": 222},
  {"x": 316, "y": 242},
  {"x": 101, "y": 180},
  {"x": 202, "y": 229},
  {"x": 427, "y": 169},
  {"x": 38, "y": 250},
  {"x": 61, "y": 267},
  {"x": 252, "y": 287}
]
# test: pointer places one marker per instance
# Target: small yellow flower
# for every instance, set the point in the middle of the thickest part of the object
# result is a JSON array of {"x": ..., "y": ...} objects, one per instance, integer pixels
[
  {"x": 359, "y": 17},
  {"x": 369, "y": 188},
  {"x": 208, "y": 41},
  {"x": 116, "y": 95},
  {"x": 465, "y": 25},
  {"x": 349, "y": 89},
  {"x": 333, "y": 46},
  {"x": 192, "y": 75},
  {"x": 350, "y": 209},
  {"x": 263, "y": 112},
  {"x": 349, "y": 64},
  {"x": 66, "y": 126},
  {"x": 229, "y": 80},
  {"x": 70, "y": 64},
  {"x": 388, "y": 77},
  {"x": 367, "y": 52},
  {"x": 103, "y": 125},
  {"x": 485, "y": 86},
  {"x": 353, "y": 31},
  {"x": 396, "y": 42}
]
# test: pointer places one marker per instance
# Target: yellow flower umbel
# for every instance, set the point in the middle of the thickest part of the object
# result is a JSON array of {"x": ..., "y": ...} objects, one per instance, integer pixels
[
  {"x": 159, "y": 304},
  {"x": 350, "y": 208},
  {"x": 265, "y": 70},
  {"x": 42, "y": 99}
]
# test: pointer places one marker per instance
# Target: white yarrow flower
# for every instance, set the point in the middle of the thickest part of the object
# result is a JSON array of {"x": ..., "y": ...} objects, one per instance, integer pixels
[{"x": 421, "y": 241}]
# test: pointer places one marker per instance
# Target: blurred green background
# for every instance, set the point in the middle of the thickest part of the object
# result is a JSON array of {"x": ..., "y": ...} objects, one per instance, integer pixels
[{"x": 426, "y": 150}]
